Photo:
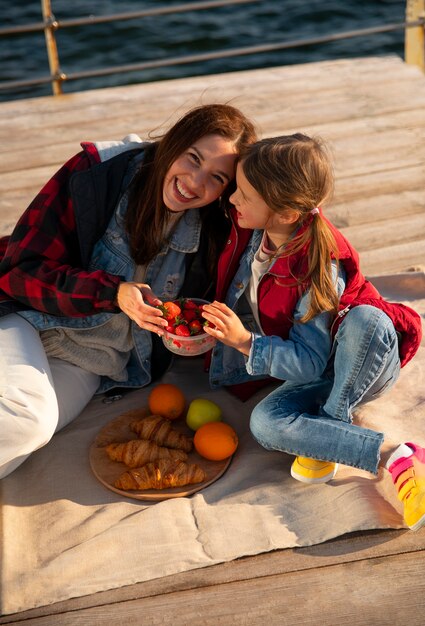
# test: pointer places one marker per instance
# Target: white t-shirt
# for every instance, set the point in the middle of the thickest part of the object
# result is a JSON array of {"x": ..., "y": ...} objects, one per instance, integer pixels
[{"x": 260, "y": 265}]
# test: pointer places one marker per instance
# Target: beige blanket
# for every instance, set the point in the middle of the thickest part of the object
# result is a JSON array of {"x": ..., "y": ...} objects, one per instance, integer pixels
[{"x": 65, "y": 535}]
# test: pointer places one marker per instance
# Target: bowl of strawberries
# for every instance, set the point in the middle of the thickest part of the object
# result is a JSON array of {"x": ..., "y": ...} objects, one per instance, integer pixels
[{"x": 185, "y": 333}]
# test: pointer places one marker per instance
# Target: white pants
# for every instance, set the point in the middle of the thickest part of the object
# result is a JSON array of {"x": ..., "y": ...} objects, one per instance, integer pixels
[{"x": 38, "y": 396}]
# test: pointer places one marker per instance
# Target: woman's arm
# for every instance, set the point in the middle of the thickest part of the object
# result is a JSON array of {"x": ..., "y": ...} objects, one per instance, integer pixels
[{"x": 41, "y": 266}]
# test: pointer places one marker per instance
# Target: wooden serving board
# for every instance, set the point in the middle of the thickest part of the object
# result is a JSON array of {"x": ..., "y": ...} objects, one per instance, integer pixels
[{"x": 107, "y": 471}]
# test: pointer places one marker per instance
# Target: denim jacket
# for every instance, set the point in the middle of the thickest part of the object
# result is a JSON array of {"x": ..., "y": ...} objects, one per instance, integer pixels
[
  {"x": 165, "y": 274},
  {"x": 302, "y": 357}
]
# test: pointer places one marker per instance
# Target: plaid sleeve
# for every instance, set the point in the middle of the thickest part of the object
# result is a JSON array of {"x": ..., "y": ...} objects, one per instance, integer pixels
[{"x": 40, "y": 267}]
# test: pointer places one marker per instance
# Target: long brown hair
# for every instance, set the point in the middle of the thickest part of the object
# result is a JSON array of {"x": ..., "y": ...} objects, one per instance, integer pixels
[
  {"x": 294, "y": 172},
  {"x": 146, "y": 214}
]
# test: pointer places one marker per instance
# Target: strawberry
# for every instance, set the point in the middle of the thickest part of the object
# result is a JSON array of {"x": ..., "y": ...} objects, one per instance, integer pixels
[
  {"x": 189, "y": 304},
  {"x": 195, "y": 327},
  {"x": 189, "y": 314},
  {"x": 182, "y": 330},
  {"x": 170, "y": 310},
  {"x": 171, "y": 325}
]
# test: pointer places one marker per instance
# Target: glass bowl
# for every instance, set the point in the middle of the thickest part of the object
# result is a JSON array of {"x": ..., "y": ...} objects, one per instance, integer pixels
[{"x": 192, "y": 345}]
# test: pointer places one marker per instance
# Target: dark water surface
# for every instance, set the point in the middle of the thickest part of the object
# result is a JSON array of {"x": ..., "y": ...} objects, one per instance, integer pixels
[{"x": 139, "y": 40}]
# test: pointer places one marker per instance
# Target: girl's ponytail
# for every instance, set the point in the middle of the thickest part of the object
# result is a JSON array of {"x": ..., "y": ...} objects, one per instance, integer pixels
[
  {"x": 321, "y": 251},
  {"x": 294, "y": 172}
]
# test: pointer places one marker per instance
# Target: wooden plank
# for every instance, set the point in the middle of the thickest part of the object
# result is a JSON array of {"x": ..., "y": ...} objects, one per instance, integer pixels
[
  {"x": 353, "y": 547},
  {"x": 393, "y": 231},
  {"x": 159, "y": 100},
  {"x": 376, "y": 208},
  {"x": 393, "y": 259},
  {"x": 357, "y": 73},
  {"x": 299, "y": 110},
  {"x": 396, "y": 181},
  {"x": 360, "y": 592}
]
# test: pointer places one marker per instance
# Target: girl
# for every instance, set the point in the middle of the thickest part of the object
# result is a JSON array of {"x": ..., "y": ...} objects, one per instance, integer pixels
[
  {"x": 118, "y": 228},
  {"x": 310, "y": 319}
]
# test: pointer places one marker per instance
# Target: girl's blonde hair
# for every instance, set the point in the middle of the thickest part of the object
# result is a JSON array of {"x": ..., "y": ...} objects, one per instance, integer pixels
[{"x": 294, "y": 173}]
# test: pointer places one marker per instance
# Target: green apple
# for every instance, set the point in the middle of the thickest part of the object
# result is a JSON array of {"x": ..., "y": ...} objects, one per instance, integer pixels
[{"x": 201, "y": 412}]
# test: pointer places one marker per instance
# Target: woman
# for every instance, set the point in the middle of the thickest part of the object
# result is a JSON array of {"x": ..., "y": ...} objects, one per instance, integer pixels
[{"x": 118, "y": 228}]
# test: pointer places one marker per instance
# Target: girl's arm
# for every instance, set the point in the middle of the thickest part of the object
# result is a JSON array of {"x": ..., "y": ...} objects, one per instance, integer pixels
[
  {"x": 301, "y": 358},
  {"x": 41, "y": 264}
]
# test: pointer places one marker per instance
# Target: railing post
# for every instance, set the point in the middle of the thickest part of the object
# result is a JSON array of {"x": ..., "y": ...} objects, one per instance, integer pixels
[
  {"x": 414, "y": 42},
  {"x": 50, "y": 25}
]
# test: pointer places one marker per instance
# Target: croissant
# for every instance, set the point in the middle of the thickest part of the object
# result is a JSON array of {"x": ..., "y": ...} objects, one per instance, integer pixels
[
  {"x": 159, "y": 429},
  {"x": 137, "y": 452},
  {"x": 161, "y": 474}
]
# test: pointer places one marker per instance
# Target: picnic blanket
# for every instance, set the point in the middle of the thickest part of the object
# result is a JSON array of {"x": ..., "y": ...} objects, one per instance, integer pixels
[{"x": 64, "y": 534}]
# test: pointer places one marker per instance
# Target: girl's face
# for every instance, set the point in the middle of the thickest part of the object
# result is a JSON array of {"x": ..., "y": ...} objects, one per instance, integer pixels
[
  {"x": 251, "y": 210},
  {"x": 200, "y": 175}
]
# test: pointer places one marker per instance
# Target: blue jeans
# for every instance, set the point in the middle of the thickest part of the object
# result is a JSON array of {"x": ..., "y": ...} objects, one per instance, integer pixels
[{"x": 315, "y": 419}]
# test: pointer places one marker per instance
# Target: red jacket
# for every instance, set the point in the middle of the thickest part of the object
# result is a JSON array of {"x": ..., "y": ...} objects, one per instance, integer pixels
[{"x": 276, "y": 311}]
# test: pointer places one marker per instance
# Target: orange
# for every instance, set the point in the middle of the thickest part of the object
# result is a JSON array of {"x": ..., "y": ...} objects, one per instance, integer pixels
[
  {"x": 167, "y": 401},
  {"x": 215, "y": 441}
]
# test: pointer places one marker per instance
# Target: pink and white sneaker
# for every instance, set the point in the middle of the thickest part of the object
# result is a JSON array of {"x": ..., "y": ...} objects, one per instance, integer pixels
[{"x": 408, "y": 475}]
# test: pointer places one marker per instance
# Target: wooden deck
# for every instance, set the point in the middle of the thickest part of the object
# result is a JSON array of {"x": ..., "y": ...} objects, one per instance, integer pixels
[
  {"x": 370, "y": 110},
  {"x": 372, "y": 113}
]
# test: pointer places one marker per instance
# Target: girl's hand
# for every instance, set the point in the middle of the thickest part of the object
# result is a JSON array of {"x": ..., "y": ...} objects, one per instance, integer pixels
[
  {"x": 132, "y": 299},
  {"x": 228, "y": 327}
]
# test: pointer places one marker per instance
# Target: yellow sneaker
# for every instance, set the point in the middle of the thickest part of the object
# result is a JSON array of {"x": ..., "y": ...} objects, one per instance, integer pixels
[
  {"x": 408, "y": 475},
  {"x": 311, "y": 471}
]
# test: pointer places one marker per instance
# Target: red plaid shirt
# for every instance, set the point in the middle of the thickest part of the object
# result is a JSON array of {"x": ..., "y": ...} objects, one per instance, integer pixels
[{"x": 41, "y": 265}]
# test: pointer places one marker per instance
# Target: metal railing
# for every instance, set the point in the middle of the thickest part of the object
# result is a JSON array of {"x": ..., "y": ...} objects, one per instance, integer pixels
[{"x": 414, "y": 27}]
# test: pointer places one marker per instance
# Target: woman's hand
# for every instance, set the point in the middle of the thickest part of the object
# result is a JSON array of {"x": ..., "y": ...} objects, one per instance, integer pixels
[
  {"x": 228, "y": 327},
  {"x": 138, "y": 301}
]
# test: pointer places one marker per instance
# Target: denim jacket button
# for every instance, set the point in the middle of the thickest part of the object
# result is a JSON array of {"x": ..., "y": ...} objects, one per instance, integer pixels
[{"x": 239, "y": 285}]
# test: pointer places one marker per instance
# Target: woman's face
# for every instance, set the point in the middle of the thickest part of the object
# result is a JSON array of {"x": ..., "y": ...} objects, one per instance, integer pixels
[
  {"x": 251, "y": 210},
  {"x": 200, "y": 175}
]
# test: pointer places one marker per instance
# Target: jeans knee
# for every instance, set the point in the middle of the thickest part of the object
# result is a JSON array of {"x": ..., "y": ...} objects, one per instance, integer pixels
[
  {"x": 256, "y": 423},
  {"x": 369, "y": 322},
  {"x": 267, "y": 423},
  {"x": 363, "y": 314}
]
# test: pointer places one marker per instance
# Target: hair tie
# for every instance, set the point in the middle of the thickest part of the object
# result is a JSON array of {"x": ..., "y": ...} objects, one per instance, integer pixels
[{"x": 314, "y": 211}]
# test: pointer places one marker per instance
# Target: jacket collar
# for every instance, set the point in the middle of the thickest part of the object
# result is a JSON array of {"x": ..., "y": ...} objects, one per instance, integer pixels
[{"x": 187, "y": 234}]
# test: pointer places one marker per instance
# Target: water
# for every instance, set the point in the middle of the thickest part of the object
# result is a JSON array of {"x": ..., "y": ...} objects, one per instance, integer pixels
[{"x": 126, "y": 42}]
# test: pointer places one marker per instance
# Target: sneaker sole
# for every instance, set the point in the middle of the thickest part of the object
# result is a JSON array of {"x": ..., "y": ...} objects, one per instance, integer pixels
[
  {"x": 419, "y": 524},
  {"x": 322, "y": 479}
]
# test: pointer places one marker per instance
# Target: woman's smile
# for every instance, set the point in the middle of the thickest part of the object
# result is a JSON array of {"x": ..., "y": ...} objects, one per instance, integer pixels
[
  {"x": 200, "y": 175},
  {"x": 182, "y": 191}
]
